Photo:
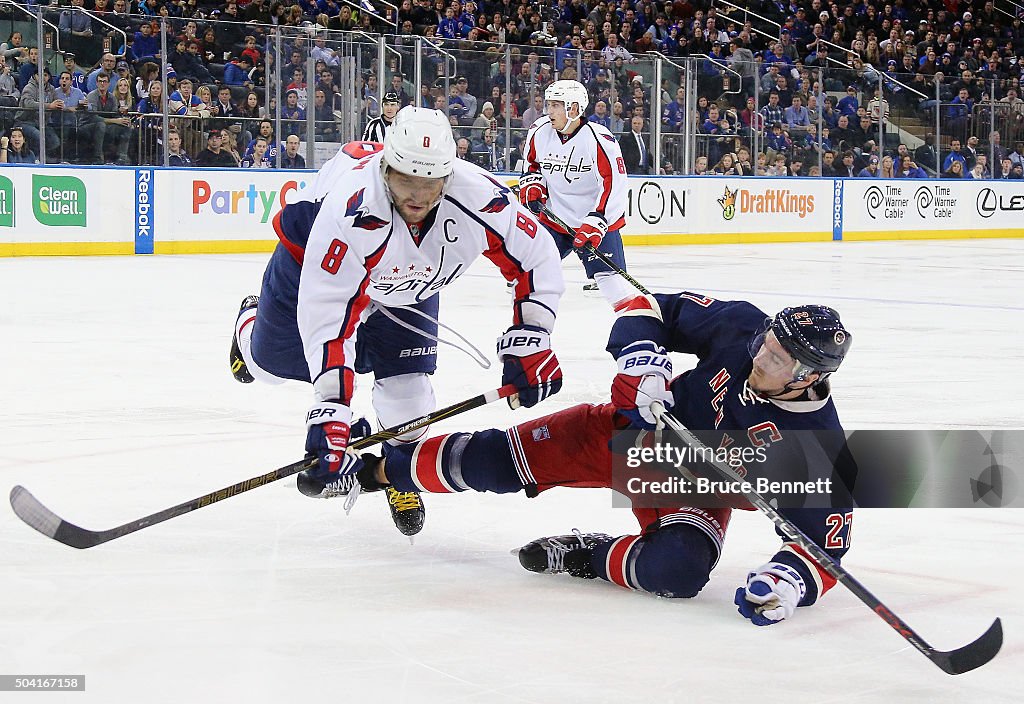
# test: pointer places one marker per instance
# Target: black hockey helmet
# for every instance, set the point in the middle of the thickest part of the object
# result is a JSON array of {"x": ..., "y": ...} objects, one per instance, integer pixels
[{"x": 814, "y": 335}]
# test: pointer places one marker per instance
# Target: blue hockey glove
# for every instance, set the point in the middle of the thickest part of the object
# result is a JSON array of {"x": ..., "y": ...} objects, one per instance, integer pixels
[
  {"x": 772, "y": 594},
  {"x": 644, "y": 373},
  {"x": 530, "y": 364},
  {"x": 329, "y": 430}
]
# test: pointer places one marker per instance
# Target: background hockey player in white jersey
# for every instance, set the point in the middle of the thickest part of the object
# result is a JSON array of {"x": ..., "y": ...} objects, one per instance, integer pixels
[
  {"x": 353, "y": 285},
  {"x": 377, "y": 128},
  {"x": 575, "y": 169}
]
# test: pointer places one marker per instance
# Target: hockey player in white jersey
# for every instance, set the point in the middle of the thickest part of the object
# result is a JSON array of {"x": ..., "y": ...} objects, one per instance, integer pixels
[
  {"x": 353, "y": 286},
  {"x": 575, "y": 169}
]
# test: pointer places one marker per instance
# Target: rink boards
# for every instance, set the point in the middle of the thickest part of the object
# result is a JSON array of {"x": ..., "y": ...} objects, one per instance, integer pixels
[{"x": 115, "y": 210}]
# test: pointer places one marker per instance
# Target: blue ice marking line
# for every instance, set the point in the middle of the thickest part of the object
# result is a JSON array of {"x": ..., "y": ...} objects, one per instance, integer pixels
[{"x": 144, "y": 184}]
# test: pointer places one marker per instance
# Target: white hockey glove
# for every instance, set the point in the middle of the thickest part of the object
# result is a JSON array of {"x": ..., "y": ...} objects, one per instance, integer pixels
[
  {"x": 644, "y": 373},
  {"x": 593, "y": 230},
  {"x": 772, "y": 594}
]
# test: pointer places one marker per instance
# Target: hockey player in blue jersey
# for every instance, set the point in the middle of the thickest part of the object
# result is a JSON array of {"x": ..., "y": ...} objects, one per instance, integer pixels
[{"x": 758, "y": 379}]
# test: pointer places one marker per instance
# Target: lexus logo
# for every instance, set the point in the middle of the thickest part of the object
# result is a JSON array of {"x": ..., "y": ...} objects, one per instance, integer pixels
[{"x": 989, "y": 202}]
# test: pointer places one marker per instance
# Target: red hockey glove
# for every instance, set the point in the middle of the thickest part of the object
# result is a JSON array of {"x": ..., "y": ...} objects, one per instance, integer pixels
[
  {"x": 532, "y": 192},
  {"x": 593, "y": 230},
  {"x": 530, "y": 364}
]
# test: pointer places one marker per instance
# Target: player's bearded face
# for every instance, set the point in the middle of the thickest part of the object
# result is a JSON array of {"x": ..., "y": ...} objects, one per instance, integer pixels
[{"x": 413, "y": 196}]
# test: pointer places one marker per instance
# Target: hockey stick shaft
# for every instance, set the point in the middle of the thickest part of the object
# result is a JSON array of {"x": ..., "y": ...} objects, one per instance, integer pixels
[
  {"x": 964, "y": 659},
  {"x": 597, "y": 253},
  {"x": 36, "y": 515}
]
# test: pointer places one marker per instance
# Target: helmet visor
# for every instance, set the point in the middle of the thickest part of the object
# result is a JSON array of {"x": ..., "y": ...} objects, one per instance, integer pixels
[{"x": 775, "y": 362}]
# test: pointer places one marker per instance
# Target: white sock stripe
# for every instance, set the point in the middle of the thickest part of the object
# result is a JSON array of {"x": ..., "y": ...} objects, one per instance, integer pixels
[
  {"x": 519, "y": 457},
  {"x": 696, "y": 522},
  {"x": 811, "y": 567},
  {"x": 413, "y": 461},
  {"x": 630, "y": 573},
  {"x": 627, "y": 569},
  {"x": 527, "y": 472},
  {"x": 439, "y": 465}
]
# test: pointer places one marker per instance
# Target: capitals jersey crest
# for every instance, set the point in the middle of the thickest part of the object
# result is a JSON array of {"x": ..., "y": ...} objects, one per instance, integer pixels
[
  {"x": 354, "y": 209},
  {"x": 496, "y": 204}
]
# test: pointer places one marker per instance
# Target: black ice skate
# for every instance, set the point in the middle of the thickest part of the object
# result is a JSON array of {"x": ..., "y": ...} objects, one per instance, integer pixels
[
  {"x": 238, "y": 369},
  {"x": 591, "y": 287},
  {"x": 407, "y": 510},
  {"x": 342, "y": 484},
  {"x": 318, "y": 489},
  {"x": 562, "y": 553}
]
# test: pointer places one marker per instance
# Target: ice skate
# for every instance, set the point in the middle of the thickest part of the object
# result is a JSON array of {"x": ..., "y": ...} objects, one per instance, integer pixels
[
  {"x": 562, "y": 553},
  {"x": 238, "y": 369}
]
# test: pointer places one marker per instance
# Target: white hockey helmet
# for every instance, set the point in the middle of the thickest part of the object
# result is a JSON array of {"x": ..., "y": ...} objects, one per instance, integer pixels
[
  {"x": 568, "y": 92},
  {"x": 420, "y": 143}
]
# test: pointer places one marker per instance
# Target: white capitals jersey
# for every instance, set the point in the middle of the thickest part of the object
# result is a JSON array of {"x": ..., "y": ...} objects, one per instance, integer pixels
[
  {"x": 584, "y": 172},
  {"x": 359, "y": 252}
]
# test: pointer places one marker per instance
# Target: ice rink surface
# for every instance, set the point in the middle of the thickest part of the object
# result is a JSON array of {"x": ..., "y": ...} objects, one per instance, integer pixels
[{"x": 118, "y": 402}]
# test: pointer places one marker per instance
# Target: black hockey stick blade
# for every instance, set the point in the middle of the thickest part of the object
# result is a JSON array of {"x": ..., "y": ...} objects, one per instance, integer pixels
[
  {"x": 973, "y": 655},
  {"x": 30, "y": 510},
  {"x": 33, "y": 513}
]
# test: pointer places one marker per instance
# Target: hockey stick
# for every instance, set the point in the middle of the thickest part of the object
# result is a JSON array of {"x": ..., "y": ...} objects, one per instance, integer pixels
[
  {"x": 595, "y": 251},
  {"x": 29, "y": 509},
  {"x": 953, "y": 662}
]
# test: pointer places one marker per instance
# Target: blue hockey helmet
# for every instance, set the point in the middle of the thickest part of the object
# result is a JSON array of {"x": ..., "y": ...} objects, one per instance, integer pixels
[{"x": 814, "y": 335}]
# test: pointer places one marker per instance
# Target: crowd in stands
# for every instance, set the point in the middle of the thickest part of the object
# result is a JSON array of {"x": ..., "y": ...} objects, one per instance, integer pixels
[{"x": 764, "y": 81}]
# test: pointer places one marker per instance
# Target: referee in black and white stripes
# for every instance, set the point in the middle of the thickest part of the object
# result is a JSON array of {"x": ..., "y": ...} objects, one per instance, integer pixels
[{"x": 376, "y": 128}]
